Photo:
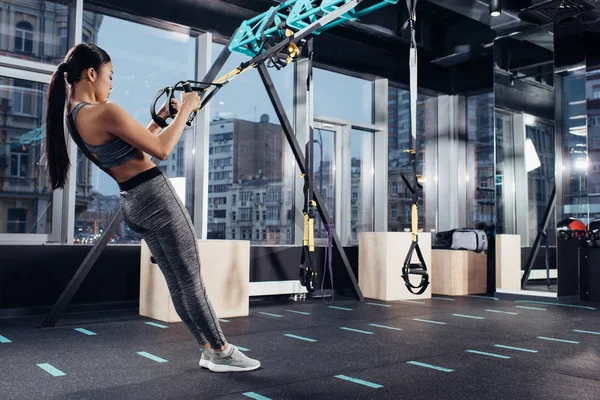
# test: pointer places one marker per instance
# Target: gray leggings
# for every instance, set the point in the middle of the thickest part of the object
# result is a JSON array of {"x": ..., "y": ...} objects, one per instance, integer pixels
[{"x": 151, "y": 208}]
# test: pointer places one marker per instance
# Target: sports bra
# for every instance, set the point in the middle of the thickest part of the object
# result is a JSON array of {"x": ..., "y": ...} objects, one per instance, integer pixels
[{"x": 112, "y": 154}]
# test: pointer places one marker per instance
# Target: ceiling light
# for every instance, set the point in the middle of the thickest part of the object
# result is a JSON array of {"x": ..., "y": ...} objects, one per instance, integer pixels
[{"x": 495, "y": 8}]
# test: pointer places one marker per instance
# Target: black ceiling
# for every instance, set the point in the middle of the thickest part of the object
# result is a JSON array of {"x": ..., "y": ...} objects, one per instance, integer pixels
[{"x": 452, "y": 35}]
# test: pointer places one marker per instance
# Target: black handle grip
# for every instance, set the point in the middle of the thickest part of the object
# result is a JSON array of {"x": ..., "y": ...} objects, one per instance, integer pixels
[
  {"x": 417, "y": 270},
  {"x": 172, "y": 110},
  {"x": 159, "y": 121},
  {"x": 188, "y": 88}
]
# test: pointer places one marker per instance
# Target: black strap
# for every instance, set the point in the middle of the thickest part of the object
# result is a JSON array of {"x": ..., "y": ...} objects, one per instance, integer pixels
[
  {"x": 159, "y": 120},
  {"x": 408, "y": 269}
]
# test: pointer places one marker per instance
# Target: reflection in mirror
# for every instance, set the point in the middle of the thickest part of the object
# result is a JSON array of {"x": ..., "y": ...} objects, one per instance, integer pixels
[{"x": 525, "y": 145}]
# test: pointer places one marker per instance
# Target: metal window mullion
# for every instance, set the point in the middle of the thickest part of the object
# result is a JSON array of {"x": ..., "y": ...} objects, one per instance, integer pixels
[
  {"x": 202, "y": 142},
  {"x": 380, "y": 147},
  {"x": 343, "y": 179},
  {"x": 521, "y": 193},
  {"x": 64, "y": 231}
]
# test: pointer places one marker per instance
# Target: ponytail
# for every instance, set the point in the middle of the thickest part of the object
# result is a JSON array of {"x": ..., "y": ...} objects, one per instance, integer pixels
[
  {"x": 79, "y": 58},
  {"x": 56, "y": 146}
]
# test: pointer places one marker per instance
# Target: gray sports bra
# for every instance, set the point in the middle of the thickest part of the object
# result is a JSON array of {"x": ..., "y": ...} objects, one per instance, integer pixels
[{"x": 112, "y": 154}]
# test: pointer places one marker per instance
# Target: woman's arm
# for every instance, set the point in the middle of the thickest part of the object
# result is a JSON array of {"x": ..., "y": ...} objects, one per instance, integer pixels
[
  {"x": 153, "y": 128},
  {"x": 119, "y": 123},
  {"x": 164, "y": 114}
]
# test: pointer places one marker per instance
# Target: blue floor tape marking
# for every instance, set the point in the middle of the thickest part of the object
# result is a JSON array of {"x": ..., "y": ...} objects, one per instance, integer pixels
[
  {"x": 356, "y": 330},
  {"x": 386, "y": 327},
  {"x": 51, "y": 370},
  {"x": 224, "y": 320},
  {"x": 467, "y": 316},
  {"x": 299, "y": 337},
  {"x": 240, "y": 348},
  {"x": 555, "y": 304},
  {"x": 359, "y": 381},
  {"x": 531, "y": 308},
  {"x": 428, "y": 321},
  {"x": 502, "y": 312},
  {"x": 152, "y": 357},
  {"x": 488, "y": 354},
  {"x": 590, "y": 332},
  {"x": 256, "y": 396},
  {"x": 515, "y": 348},
  {"x": 443, "y": 298},
  {"x": 270, "y": 314},
  {"x": 341, "y": 308},
  {"x": 4, "y": 339},
  {"x": 420, "y": 364},
  {"x": 85, "y": 331},
  {"x": 483, "y": 297},
  {"x": 157, "y": 325},
  {"x": 378, "y": 304},
  {"x": 299, "y": 312},
  {"x": 557, "y": 340}
]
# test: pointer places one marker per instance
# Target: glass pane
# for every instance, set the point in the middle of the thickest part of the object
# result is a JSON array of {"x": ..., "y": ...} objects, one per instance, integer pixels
[
  {"x": 593, "y": 111},
  {"x": 31, "y": 30},
  {"x": 342, "y": 96},
  {"x": 481, "y": 182},
  {"x": 539, "y": 162},
  {"x": 361, "y": 144},
  {"x": 25, "y": 201},
  {"x": 399, "y": 140},
  {"x": 250, "y": 185},
  {"x": 139, "y": 73},
  {"x": 324, "y": 164},
  {"x": 574, "y": 150},
  {"x": 505, "y": 183}
]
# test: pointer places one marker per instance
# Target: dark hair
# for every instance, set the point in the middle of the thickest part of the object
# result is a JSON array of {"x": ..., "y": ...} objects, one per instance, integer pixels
[{"x": 77, "y": 60}]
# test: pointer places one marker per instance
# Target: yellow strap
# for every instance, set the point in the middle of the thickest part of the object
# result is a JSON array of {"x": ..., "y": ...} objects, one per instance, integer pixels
[
  {"x": 415, "y": 221},
  {"x": 311, "y": 234},
  {"x": 305, "y": 240}
]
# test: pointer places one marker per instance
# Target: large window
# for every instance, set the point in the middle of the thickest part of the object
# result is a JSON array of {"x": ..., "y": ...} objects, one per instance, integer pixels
[
  {"x": 539, "y": 163},
  {"x": 23, "y": 97},
  {"x": 342, "y": 96},
  {"x": 24, "y": 37},
  {"x": 361, "y": 171},
  {"x": 25, "y": 202},
  {"x": 31, "y": 30},
  {"x": 481, "y": 182},
  {"x": 593, "y": 164},
  {"x": 250, "y": 162},
  {"x": 139, "y": 72},
  {"x": 399, "y": 140},
  {"x": 324, "y": 167}
]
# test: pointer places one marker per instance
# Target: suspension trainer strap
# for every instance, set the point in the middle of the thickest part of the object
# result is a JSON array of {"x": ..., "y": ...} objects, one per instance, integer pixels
[
  {"x": 408, "y": 268},
  {"x": 306, "y": 273}
]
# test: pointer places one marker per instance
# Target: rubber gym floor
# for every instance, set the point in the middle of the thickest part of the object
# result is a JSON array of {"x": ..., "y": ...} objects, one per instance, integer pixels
[{"x": 440, "y": 348}]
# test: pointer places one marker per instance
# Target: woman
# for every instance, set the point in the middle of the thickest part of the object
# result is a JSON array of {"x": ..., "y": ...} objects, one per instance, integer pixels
[{"x": 119, "y": 145}]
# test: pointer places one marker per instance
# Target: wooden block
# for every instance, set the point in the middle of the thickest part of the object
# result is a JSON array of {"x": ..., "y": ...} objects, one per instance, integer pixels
[
  {"x": 381, "y": 257},
  {"x": 458, "y": 272},
  {"x": 508, "y": 262},
  {"x": 225, "y": 269}
]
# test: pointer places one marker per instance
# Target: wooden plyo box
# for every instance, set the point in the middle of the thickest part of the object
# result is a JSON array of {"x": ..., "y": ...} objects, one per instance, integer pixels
[
  {"x": 380, "y": 259},
  {"x": 508, "y": 262},
  {"x": 459, "y": 272},
  {"x": 225, "y": 269}
]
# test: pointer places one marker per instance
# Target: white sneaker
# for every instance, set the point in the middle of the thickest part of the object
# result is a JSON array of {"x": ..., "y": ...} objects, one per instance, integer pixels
[
  {"x": 206, "y": 356},
  {"x": 235, "y": 362}
]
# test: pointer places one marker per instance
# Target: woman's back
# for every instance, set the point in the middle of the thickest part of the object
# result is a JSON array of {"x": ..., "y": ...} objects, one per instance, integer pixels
[{"x": 112, "y": 153}]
